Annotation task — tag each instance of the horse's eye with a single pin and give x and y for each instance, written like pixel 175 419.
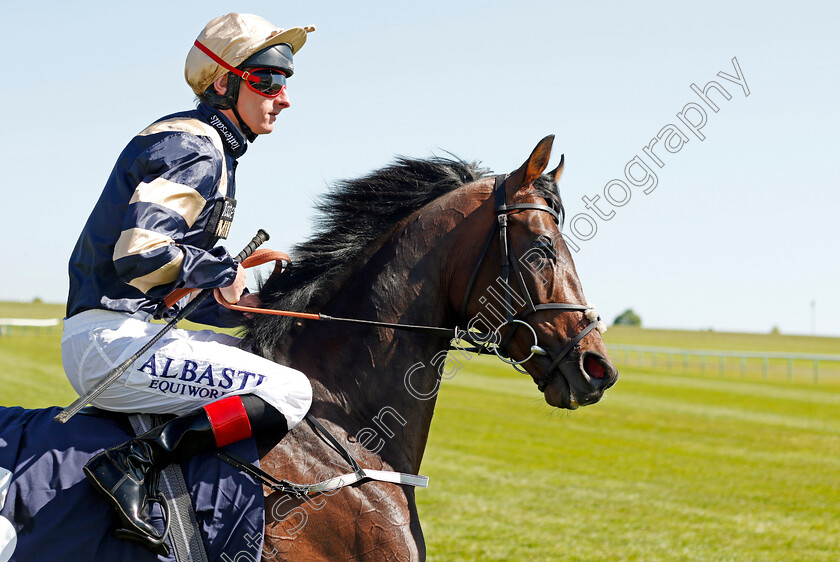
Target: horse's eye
pixel 544 245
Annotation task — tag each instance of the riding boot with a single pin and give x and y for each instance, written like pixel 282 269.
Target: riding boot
pixel 127 475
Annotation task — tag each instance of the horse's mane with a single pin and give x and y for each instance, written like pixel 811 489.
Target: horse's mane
pixel 352 216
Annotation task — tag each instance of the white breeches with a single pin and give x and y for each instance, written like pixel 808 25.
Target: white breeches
pixel 180 373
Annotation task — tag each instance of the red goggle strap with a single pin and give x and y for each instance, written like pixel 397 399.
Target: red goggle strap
pixel 244 74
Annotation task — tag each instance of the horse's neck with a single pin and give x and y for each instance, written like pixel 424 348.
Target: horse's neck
pixel 359 372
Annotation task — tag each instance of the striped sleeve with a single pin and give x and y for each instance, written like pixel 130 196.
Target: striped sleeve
pixel 176 177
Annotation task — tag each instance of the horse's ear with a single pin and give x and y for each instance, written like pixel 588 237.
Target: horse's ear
pixel 534 165
pixel 558 171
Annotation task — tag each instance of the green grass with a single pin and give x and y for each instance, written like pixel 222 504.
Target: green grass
pixel 666 467
pixel 722 341
pixel 775 369
pixel 669 466
pixel 31 374
pixel 31 310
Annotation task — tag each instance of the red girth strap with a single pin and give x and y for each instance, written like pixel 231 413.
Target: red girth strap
pixel 229 420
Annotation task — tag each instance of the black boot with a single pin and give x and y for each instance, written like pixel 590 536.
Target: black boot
pixel 127 475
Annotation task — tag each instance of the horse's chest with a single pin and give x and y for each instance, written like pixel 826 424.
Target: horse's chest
pixel 368 522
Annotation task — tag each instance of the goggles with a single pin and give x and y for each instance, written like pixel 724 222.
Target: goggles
pixel 267 82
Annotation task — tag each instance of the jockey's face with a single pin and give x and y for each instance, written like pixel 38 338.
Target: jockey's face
pixel 260 112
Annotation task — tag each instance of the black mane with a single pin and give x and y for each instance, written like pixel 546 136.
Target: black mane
pixel 352 216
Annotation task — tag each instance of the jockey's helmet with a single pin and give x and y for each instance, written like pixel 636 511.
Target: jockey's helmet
pixel 235 43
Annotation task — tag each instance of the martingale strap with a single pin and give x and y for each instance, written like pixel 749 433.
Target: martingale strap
pixel 478 340
pixel 359 474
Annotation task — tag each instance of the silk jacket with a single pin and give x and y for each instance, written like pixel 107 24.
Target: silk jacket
pixel 167 203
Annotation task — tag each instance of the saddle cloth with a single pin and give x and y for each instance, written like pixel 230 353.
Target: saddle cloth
pixel 48 511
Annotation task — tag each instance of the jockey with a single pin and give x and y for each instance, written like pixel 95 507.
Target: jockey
pixel 168 201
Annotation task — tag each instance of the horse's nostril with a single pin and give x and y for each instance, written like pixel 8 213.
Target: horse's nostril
pixel 593 367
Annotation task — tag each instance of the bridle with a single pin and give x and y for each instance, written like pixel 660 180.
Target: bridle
pixel 509 261
pixel 481 342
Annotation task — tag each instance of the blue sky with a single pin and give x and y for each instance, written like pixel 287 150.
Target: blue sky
pixel 739 234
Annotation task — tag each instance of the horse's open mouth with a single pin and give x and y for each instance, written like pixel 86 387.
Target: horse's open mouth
pixel 579 381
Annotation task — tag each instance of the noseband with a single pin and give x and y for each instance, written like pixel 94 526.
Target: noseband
pixel 509 261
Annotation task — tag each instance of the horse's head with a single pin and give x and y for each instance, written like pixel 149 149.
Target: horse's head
pixel 519 291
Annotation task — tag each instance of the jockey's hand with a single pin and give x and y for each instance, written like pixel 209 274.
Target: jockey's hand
pixel 232 292
pixel 251 300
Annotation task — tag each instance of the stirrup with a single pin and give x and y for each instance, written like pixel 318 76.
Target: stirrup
pixel 158 545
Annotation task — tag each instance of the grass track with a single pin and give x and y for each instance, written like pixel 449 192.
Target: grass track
pixel 722 341
pixel 667 467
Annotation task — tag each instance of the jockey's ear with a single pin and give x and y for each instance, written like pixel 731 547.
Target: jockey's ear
pixel 533 166
pixel 220 84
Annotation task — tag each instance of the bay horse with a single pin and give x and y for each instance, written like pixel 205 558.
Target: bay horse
pixel 433 242
pixel 437 244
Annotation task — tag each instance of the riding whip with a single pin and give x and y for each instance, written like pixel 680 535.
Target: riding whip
pixel 115 373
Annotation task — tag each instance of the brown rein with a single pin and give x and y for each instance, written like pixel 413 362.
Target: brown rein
pixel 259 257
pixel 262 256
pixel 479 341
